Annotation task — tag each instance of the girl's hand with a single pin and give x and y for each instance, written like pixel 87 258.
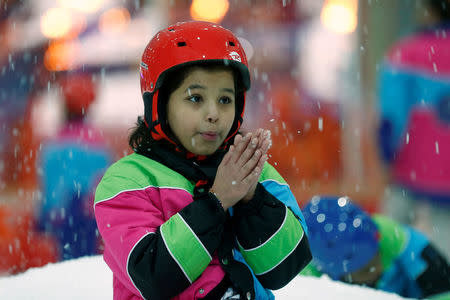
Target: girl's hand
pixel 236 173
pixel 264 144
pixel 240 169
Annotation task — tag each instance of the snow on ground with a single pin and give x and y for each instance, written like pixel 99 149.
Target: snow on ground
pixel 90 278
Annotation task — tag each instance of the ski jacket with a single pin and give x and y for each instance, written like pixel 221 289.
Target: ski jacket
pixel 413 97
pixel 164 238
pixel 72 164
pixel 411 266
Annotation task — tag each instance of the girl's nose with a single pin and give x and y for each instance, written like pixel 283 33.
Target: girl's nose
pixel 212 114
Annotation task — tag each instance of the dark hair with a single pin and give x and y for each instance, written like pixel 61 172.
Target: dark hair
pixel 441 8
pixel 140 136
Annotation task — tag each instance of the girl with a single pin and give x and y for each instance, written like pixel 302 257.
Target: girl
pixel 196 212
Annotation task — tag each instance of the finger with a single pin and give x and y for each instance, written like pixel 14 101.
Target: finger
pixel 237 139
pixel 253 177
pixel 268 134
pixel 240 146
pixel 262 161
pixel 260 166
pixel 265 146
pixel 269 137
pixel 241 138
pixel 226 158
pixel 248 153
pixel 263 135
pixel 260 135
pixel 250 165
pixel 243 131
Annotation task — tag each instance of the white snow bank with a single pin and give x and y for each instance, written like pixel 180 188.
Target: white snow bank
pixel 90 278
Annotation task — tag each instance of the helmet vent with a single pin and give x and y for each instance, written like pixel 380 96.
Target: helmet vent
pixel 181 44
pixel 231 43
pixel 171 29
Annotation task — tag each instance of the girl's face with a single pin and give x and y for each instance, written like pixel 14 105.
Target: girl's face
pixel 201 111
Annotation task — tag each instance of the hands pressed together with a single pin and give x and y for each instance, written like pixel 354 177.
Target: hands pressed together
pixel 238 173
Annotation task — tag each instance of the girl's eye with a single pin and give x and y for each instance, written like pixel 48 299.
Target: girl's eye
pixel 194 98
pixel 225 100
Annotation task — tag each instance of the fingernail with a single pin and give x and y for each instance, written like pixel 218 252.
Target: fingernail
pixel 254 142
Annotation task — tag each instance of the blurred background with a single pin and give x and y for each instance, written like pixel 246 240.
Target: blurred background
pixel 357 106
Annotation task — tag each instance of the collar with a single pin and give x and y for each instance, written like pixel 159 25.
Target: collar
pixel 193 167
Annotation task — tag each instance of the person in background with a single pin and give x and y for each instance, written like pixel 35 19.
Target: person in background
pixel 414 129
pixel 197 212
pixel 352 246
pixel 72 164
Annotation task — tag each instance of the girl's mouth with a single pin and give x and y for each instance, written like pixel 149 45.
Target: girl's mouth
pixel 210 136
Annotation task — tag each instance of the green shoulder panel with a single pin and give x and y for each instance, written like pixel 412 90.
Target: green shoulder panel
pixel 311 270
pixel 134 172
pixel 393 239
pixel 269 172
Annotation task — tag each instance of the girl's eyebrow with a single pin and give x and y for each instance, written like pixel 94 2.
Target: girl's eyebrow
pixel 194 86
pixel 228 90
pixel 198 86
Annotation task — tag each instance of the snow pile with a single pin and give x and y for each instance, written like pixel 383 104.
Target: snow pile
pixel 90 278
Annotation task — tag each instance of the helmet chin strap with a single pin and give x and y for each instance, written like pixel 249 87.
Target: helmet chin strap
pixel 151 117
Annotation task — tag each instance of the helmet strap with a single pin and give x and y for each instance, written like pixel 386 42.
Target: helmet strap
pixel 147 97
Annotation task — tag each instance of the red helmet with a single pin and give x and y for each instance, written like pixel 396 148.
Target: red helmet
pixel 184 44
